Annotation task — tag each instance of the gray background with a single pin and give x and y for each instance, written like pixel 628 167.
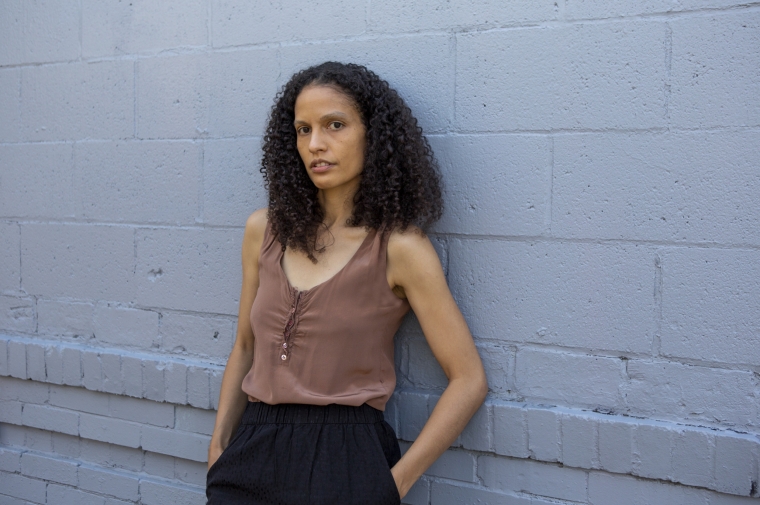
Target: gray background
pixel 602 237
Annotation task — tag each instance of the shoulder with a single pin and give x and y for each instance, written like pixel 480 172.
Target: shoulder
pixel 411 256
pixel 255 227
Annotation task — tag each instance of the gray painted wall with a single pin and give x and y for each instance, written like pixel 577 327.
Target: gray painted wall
pixel 602 237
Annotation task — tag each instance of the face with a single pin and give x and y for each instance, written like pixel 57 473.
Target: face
pixel 330 137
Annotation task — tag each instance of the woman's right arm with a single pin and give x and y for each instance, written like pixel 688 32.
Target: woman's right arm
pixel 232 399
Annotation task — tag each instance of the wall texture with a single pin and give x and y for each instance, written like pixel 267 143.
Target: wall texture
pixel 602 237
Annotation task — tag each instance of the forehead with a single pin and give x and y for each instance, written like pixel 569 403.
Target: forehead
pixel 320 100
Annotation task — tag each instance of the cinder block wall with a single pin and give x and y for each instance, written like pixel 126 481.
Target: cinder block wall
pixel 602 237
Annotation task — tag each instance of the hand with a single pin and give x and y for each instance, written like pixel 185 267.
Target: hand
pixel 213 454
pixel 397 480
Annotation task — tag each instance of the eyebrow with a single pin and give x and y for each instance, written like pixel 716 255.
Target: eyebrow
pixel 329 115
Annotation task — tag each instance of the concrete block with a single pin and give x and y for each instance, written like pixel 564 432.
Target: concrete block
pixel 83 261
pixel 694 458
pixel 10 251
pixel 64 494
pixel 131 375
pixel 512 475
pixel 697 393
pixel 153 380
pixel 232 183
pixel 510 430
pixel 656 186
pixel 506 188
pixel 412 414
pixel 79 399
pixel 589 76
pixel 35 361
pixel 215 377
pixel 50 469
pixel 456 465
pixel 17 314
pixel 194 334
pixel 16 359
pixel 92 377
pixel 653 451
pixel 478 434
pixel 111 455
pixel 111 367
pixel 12 435
pixel 18 486
pixel 159 465
pixel 54 94
pixel 138 181
pixel 191 472
pixel 10 411
pixel 66 318
pixel 142 26
pixel 419 494
pixel 424 78
pixel 142 411
pixel 10 104
pixel 72 366
pixel 244 83
pixel 443 493
pixel 50 418
pixel 592 296
pixel 616 446
pixel 708 302
pixel 125 326
pixel 499 363
pixel 66 446
pixel 175 374
pixel 198 387
pixel 572 378
pixel 164 258
pixel 707 89
pixel 53 364
pixel 736 463
pixel 599 9
pixel 39 32
pixel 108 482
pixel 38 440
pixel 543 434
pixel 579 440
pixel 109 430
pixel 173 96
pixel 399 16
pixel 423 371
pixel 235 24
pixel 10 460
pixel 164 493
pixel 175 443
pixel 4 371
pixel 195 420
pixel 604 488
pixel 24 390
pixel 37 183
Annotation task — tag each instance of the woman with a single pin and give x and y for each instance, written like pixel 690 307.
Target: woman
pixel 329 270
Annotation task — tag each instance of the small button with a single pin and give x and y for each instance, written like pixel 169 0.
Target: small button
pixel 283 357
pixel 284 345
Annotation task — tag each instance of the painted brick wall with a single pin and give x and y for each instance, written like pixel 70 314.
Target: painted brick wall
pixel 602 237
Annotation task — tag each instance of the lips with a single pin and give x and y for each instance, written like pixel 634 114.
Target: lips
pixel 319 166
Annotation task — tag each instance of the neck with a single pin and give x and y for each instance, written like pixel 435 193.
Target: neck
pixel 338 204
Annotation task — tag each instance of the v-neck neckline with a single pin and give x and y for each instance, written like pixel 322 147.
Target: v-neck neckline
pixel 336 274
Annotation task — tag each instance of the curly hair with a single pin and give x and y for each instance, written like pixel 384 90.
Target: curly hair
pixel 400 182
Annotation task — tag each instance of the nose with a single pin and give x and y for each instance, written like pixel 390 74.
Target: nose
pixel 316 141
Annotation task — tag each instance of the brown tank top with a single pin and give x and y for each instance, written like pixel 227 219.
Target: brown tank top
pixel 332 343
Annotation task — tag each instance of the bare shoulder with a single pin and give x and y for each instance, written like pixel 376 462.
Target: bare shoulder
pixel 411 256
pixel 256 224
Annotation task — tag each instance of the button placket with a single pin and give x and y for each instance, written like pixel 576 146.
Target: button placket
pixel 289 328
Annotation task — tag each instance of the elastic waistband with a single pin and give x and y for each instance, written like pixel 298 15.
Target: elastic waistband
pixel 294 413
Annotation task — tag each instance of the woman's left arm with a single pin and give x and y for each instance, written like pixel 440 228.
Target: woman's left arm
pixel 414 268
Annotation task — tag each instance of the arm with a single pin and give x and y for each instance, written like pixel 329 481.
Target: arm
pixel 415 270
pixel 232 399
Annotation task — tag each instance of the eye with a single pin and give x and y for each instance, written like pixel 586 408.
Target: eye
pixel 335 125
pixel 303 130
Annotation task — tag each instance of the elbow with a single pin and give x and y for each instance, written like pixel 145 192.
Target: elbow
pixel 481 387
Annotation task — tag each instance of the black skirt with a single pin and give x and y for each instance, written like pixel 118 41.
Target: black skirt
pixel 307 455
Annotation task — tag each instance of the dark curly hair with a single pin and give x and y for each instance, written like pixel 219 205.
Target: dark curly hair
pixel 400 183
